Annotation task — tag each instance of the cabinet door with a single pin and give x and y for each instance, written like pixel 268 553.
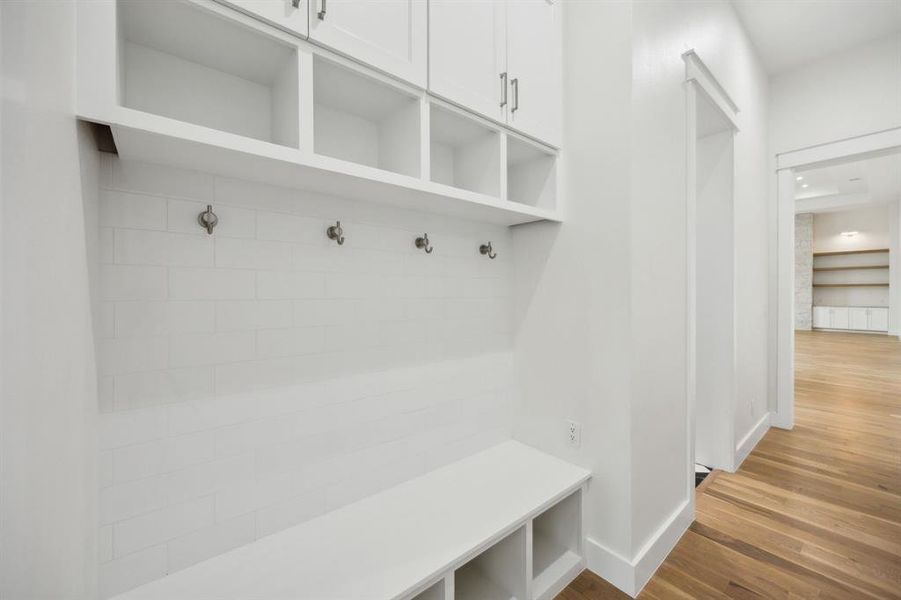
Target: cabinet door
pixel 468 54
pixel 534 64
pixel 858 318
pixel 821 319
pixel 878 319
pixel 286 14
pixel 389 35
pixel 840 318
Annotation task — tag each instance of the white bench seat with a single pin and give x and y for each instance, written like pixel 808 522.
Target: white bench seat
pixel 393 544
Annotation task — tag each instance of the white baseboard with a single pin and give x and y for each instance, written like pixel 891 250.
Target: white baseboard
pixel 630 576
pixel 744 447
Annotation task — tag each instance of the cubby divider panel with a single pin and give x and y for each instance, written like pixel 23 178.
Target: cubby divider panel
pixel 498 573
pixel 186 62
pixel 433 592
pixel 463 152
pixel 531 173
pixel 556 543
pixel 364 120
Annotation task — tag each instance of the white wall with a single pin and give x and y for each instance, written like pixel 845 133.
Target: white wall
pixel 48 409
pixel 871 223
pixel 601 300
pixel 260 376
pixel 844 95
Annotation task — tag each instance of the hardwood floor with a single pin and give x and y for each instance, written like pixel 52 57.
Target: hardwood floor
pixel 812 513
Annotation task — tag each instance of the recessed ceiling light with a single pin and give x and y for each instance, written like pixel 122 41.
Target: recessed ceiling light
pixel 850 233
pixel 799 178
pixel 804 185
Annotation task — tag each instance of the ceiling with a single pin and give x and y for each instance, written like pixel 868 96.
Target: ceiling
pixel 790 33
pixel 875 180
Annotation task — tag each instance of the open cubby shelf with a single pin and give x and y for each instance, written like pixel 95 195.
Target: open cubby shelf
pixel 230 78
pixel 556 545
pixel 200 86
pixel 362 120
pixel 531 173
pixel 464 153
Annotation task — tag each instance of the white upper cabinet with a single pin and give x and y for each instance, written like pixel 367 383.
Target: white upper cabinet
pixel 501 59
pixel 534 66
pixel 468 54
pixel 390 35
pixel 290 15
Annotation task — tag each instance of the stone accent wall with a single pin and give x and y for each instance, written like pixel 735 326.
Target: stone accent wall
pixel 803 271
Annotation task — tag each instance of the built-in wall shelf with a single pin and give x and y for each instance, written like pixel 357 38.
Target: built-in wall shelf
pixel 854 268
pixel 248 100
pixel 504 523
pixel 850 285
pixel 846 252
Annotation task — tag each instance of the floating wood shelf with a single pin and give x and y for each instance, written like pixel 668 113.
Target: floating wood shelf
pixel 877 250
pixel 850 268
pixel 850 285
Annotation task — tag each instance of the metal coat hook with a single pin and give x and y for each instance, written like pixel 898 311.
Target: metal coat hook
pixel 335 232
pixel 487 249
pixel 424 244
pixel 208 219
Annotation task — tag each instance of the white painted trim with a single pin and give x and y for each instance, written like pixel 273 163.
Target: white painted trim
pixel 747 444
pixel 697 71
pixel 631 576
pixel 871 144
pixel 880 141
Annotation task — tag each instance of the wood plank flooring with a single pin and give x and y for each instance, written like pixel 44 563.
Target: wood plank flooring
pixel 814 512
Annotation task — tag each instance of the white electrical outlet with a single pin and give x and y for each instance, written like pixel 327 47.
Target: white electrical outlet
pixel 573 434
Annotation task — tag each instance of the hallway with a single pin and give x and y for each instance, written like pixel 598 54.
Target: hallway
pixel 813 512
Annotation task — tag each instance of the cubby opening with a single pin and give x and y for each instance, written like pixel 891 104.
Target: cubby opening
pixel 531 174
pixel 186 62
pixel 363 120
pixel 433 592
pixel 498 573
pixel 556 543
pixel 464 153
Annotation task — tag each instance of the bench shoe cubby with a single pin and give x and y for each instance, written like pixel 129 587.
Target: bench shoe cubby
pixel 199 85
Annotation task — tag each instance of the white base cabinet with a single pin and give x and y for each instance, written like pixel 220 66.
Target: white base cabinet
pixel 854 318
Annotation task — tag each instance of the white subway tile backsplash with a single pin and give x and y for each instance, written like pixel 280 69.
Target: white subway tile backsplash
pixel 273 343
pixel 211 284
pixel 232 253
pixel 259 376
pixel 121 282
pixel 161 318
pixel 196 349
pixel 123 500
pixel 131 427
pixel 139 247
pixel 130 571
pixel 205 478
pixel 254 314
pixel 160 180
pixel 281 285
pixel 123 209
pixel 135 390
pixel 128 355
pixel 291 228
pixel 210 541
pixel 162 525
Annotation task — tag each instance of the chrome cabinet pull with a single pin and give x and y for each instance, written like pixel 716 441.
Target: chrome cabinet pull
pixel 515 84
pixel 321 13
pixel 504 89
